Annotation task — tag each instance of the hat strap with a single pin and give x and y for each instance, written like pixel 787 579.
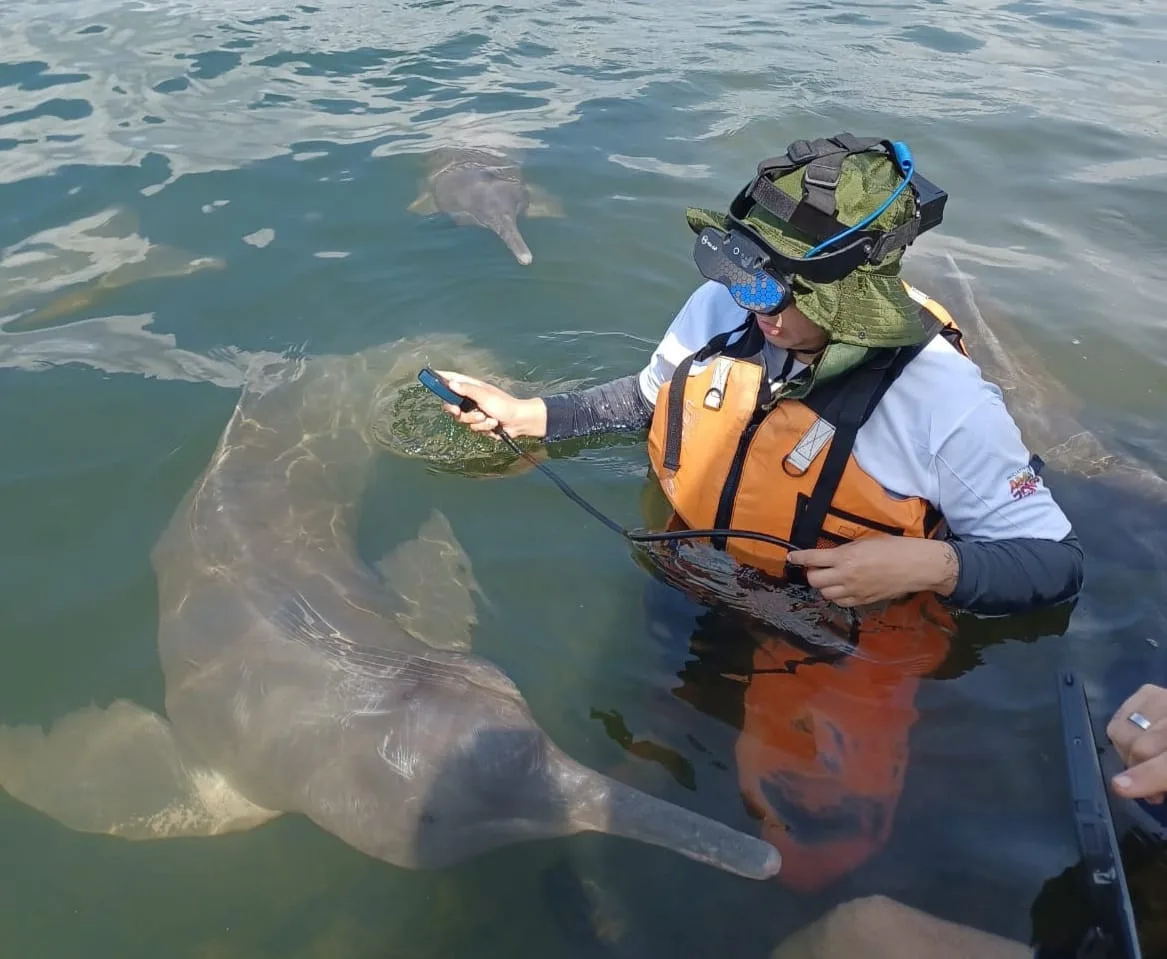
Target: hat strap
pixel 825 268
pixel 823 159
pixel 814 214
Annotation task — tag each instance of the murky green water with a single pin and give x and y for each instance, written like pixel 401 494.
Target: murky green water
pixel 257 159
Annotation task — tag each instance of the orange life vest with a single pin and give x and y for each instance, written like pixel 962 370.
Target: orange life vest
pixel 726 457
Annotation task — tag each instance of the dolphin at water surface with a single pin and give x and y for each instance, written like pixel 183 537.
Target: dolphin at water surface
pixel 477 188
pixel 298 681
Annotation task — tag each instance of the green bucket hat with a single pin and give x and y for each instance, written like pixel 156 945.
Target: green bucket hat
pixel 870 306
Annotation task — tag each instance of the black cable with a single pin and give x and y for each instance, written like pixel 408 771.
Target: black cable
pixel 639 535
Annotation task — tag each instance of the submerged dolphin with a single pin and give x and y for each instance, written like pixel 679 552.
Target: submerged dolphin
pixel 1045 411
pixel 476 188
pixel 297 682
pixel 86 260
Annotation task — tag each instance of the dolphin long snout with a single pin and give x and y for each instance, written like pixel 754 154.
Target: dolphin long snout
pixel 508 232
pixel 601 804
pixel 509 783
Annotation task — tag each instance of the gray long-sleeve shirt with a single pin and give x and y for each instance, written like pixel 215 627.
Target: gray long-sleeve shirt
pixel 996 576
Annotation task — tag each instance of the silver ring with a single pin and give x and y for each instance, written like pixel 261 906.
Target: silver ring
pixel 1140 720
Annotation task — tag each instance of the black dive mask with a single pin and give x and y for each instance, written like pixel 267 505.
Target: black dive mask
pixel 744 267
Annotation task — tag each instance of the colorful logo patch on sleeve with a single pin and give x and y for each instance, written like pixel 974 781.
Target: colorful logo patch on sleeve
pixel 1023 482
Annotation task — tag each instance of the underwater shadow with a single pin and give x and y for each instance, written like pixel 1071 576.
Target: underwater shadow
pixel 494 791
pixel 500 791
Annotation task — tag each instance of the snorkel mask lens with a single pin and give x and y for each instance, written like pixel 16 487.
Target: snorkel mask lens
pixel 738 263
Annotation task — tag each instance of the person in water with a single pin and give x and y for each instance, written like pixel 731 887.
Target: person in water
pixel 806 392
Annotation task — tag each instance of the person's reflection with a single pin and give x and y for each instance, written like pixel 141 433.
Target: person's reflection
pixel 824 741
pixel 823 699
pixel 824 732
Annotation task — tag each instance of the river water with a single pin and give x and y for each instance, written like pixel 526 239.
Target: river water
pixel 255 161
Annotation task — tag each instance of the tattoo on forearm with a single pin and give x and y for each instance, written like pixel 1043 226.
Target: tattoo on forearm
pixel 951 568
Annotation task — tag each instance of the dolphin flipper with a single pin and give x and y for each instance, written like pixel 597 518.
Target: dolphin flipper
pixel 424 205
pixel 542 203
pixel 120 771
pixel 432 574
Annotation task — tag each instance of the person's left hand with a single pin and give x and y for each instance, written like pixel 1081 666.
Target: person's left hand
pixel 876 568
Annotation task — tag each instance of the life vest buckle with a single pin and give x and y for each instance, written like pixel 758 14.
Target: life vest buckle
pixel 716 392
pixel 813 441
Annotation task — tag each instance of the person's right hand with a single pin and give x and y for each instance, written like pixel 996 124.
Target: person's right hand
pixel 496 408
pixel 1144 751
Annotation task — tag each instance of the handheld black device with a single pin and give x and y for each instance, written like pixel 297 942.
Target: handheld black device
pixel 1114 932
pixel 439 387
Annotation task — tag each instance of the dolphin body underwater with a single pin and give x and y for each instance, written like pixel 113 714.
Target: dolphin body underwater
pixel 1044 409
pixel 66 271
pixel 477 188
pixel 296 681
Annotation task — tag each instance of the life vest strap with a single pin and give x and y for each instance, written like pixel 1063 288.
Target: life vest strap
pixel 951 333
pixel 729 490
pixel 675 425
pixel 847 413
pixel 848 409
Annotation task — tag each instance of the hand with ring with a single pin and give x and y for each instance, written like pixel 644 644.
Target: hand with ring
pixel 1138 731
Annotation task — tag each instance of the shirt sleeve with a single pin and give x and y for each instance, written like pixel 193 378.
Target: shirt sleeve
pixel 627 403
pixel 668 355
pixel 607 408
pixel 1015 546
pixel 706 313
pixel 988 489
pixel 1012 575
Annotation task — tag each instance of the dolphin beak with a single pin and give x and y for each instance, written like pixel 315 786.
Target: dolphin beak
pixel 510 235
pixel 600 804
